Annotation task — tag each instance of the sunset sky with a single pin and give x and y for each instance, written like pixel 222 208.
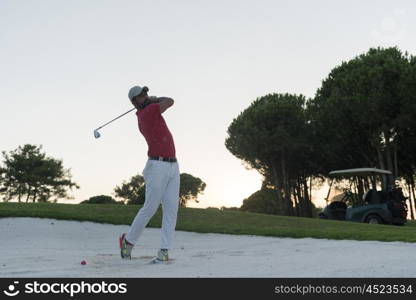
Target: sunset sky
pixel 66 68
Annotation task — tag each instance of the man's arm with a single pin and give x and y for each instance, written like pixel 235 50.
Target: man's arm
pixel 165 103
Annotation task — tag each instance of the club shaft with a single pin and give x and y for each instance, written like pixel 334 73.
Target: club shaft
pixel 115 118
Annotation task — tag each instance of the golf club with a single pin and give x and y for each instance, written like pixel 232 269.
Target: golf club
pixel 97 134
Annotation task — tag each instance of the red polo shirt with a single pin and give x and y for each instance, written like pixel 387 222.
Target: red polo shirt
pixel 155 131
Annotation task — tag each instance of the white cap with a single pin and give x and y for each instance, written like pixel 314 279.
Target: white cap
pixel 136 90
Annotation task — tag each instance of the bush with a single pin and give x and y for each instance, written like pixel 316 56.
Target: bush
pixel 101 199
pixel 263 201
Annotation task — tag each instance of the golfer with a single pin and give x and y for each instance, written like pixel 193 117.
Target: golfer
pixel 161 173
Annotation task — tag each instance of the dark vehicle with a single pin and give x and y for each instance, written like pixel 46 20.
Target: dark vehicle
pixel 386 206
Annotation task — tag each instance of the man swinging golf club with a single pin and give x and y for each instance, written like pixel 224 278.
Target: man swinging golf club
pixel 161 173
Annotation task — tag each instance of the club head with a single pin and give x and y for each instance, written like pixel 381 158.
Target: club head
pixel 96 134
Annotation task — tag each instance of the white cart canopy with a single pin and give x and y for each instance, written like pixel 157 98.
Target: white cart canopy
pixel 359 172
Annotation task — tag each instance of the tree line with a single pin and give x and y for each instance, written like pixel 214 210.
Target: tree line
pixel 29 175
pixel 363 115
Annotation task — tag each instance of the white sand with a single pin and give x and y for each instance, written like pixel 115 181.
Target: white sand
pixel 31 247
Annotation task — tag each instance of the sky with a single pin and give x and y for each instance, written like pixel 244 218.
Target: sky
pixel 66 68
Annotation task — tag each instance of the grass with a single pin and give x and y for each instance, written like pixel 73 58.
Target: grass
pixel 218 221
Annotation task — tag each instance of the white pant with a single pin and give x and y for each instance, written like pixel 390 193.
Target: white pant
pixel 162 186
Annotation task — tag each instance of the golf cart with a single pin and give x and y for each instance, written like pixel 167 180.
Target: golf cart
pixel 367 204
